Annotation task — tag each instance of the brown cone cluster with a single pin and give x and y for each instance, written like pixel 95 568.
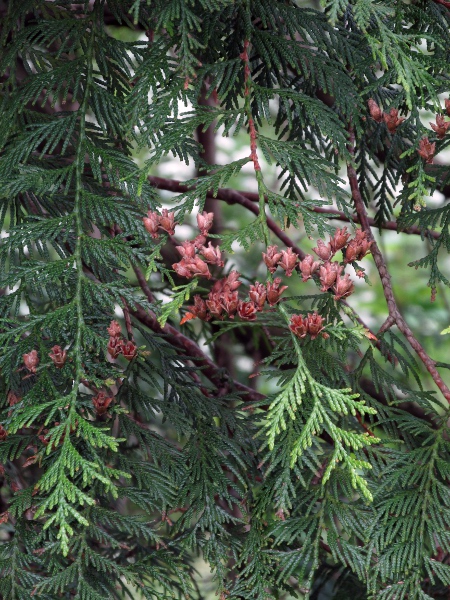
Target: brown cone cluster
pixel 154 221
pixel 223 300
pixel 195 256
pixel 311 325
pixel 286 259
pixel 117 345
pixel 426 148
pixel 331 273
pixel 391 118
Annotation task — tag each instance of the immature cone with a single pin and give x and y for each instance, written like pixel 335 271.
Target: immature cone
pixel 3 433
pixel 167 221
pixel 212 255
pixel 13 398
pixel 151 223
pixel 214 305
pixel 31 360
pixel 199 310
pixel 426 150
pixel 114 329
pixel 375 111
pixel 129 350
pixel 441 126
pixel 101 402
pixel 58 356
pixel 308 266
pixel 231 282
pixel 187 250
pixel 343 287
pixel 182 269
pixel 314 325
pixel 358 247
pixel 323 251
pixel 339 240
pixel 191 267
pixel 258 295
pixel 199 241
pixel 274 291
pixel 205 221
pixel 299 326
pixel 247 311
pixel 392 120
pixel 115 347
pixel 288 261
pixel 328 273
pixel 230 301
pixel 271 258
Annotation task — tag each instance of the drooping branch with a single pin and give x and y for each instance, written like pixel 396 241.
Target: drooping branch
pixel 236 197
pixel 395 316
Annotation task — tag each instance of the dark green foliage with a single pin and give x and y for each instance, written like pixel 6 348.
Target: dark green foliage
pixel 323 488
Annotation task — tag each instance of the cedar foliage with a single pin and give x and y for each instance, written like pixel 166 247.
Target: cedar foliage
pixel 286 494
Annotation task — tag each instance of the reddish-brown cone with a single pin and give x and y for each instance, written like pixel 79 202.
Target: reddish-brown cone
pixel 314 324
pixel 328 273
pixel 441 126
pixel 288 261
pixel 271 258
pixel 375 111
pixel 447 106
pixel 3 433
pixel 114 329
pixel 129 350
pixel 343 287
pixel 247 311
pixel 199 310
pixel 212 254
pixel 323 251
pixel 339 240
pixel 31 360
pixel 167 221
pixel 426 150
pixel 151 223
pixel 258 295
pixel 230 301
pixel 299 326
pixel 274 291
pixel 204 222
pixel 115 347
pixel 13 398
pixel 101 402
pixel 58 356
pixel 392 120
pixel 308 266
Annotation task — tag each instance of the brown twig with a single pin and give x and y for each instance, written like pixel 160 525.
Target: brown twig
pixel 235 197
pixel 394 313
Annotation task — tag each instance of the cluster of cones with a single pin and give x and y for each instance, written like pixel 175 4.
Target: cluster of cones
pixel 223 300
pixel 426 148
pixel 58 356
pixel 117 345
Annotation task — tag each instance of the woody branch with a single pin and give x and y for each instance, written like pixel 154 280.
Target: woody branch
pixel 394 315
